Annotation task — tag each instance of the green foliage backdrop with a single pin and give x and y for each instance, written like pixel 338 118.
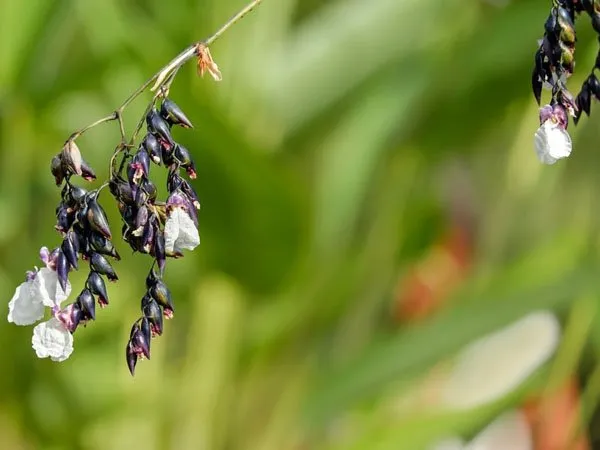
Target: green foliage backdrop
pixel 327 160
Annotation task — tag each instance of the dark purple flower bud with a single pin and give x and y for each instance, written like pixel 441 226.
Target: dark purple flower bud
pixel 131 357
pixel 64 218
pixel 121 190
pixel 71 316
pixel 98 263
pixel 69 247
pixel 153 147
pixel 102 245
pixel 71 157
pixel 140 220
pixel 135 172
pixel 160 253
pixel 150 189
pixel 139 344
pixel 183 157
pixel 143 160
pixel 141 197
pixel 87 172
pixel 159 127
pixel 148 236
pixel 160 292
pixel 153 313
pixel 146 329
pixel 594 86
pixel 95 283
pixel 62 270
pixel 88 304
pixel 187 189
pixel 96 218
pixel 57 169
pixel 584 99
pixel 76 195
pixel 173 114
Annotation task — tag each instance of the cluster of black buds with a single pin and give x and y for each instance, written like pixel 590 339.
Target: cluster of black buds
pixel 82 223
pixel 146 219
pixel 555 57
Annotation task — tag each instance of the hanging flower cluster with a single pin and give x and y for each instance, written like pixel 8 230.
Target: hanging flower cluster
pixel 554 64
pixel 161 229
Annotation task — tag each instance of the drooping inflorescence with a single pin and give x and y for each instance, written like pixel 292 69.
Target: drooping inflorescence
pixel 554 64
pixel 161 229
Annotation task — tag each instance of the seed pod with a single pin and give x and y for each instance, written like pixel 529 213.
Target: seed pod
pixel 153 314
pixel 96 218
pixel 57 169
pixel 131 358
pixel 69 248
pixel 62 270
pixel 159 127
pixel 139 342
pixel 95 283
pixel 88 304
pixel 160 292
pixel 87 172
pixel 173 114
pixel 98 263
pixel 71 157
pixel 103 246
pixel 153 148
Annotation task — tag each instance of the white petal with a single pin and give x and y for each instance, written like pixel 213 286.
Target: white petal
pixel 509 431
pixel 552 143
pixel 52 339
pixel 180 232
pixel 493 366
pixel 24 308
pixel 47 287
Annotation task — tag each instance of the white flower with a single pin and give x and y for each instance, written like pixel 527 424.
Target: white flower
pixel 180 231
pixel 552 142
pixel 30 297
pixel 496 364
pixel 52 339
pixel 25 308
pixel 509 431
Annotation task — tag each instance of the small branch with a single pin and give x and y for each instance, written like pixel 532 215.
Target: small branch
pixel 163 76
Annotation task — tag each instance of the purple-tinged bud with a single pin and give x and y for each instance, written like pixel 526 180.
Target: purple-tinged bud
pixel 71 316
pixel 139 344
pixel 121 190
pixel 45 255
pixel 153 148
pixel 152 278
pixel 159 127
pixel 143 160
pixel 131 357
pixel 71 157
pixel 161 293
pixel 98 263
pixel 135 172
pixel 69 248
pixel 182 155
pixel 153 313
pixel 95 283
pixel 146 329
pixel 64 219
pixel 173 114
pixel 148 236
pixel 76 195
pixel 87 172
pixel 189 191
pixel 88 304
pixel 103 246
pixel 57 169
pixel 96 218
pixel 141 197
pixel 62 270
pixel 150 189
pixel 160 253
pixel 141 219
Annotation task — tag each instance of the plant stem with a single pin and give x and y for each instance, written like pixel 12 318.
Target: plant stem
pixel 163 75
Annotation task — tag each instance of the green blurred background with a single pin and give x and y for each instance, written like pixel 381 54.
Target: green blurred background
pixel 346 140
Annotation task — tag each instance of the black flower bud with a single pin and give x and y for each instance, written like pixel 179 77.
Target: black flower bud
pixel 96 218
pixel 57 169
pixel 88 304
pixel 102 245
pixel 98 263
pixel 87 172
pixel 153 313
pixel 153 147
pixel 131 357
pixel 173 114
pixel 62 269
pixel 161 293
pixel 95 283
pixel 159 127
pixel 138 341
pixel 69 247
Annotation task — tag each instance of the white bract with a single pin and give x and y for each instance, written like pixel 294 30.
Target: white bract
pixel 552 142
pixel 180 231
pixel 30 297
pixel 52 339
